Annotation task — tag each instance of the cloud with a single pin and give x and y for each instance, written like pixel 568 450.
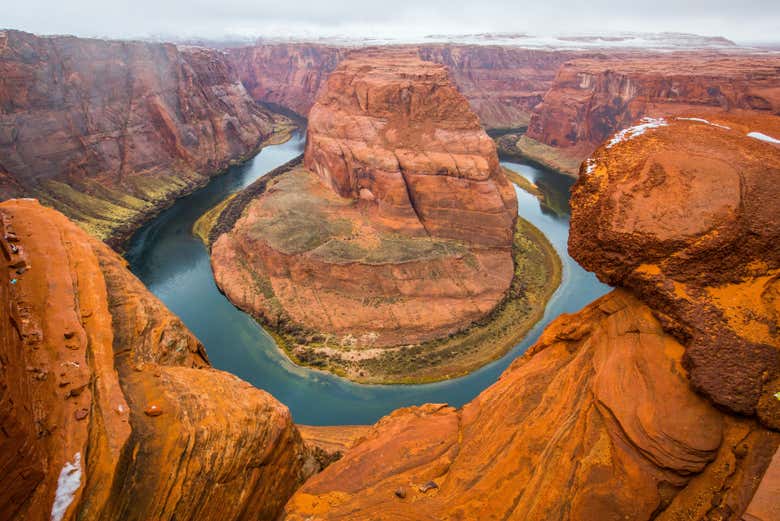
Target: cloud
pixel 751 20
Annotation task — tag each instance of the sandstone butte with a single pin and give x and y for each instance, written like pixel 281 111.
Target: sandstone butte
pixel 601 418
pixel 109 408
pixel 397 230
pixel 109 132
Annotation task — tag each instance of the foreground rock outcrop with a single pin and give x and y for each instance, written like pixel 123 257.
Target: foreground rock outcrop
pixel 591 98
pixel 110 409
pixel 399 229
pixel 694 232
pixel 109 132
pixel 602 418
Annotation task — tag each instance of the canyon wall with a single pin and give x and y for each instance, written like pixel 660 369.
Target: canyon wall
pixel 502 84
pixel 601 418
pixel 592 98
pixel 109 132
pixel 110 409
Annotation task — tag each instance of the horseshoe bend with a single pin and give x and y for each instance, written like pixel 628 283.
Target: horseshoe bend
pixel 393 252
pixel 394 245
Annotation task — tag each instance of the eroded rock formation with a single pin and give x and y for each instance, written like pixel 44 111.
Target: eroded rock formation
pixel 601 419
pixel 694 232
pixel 399 230
pixel 108 132
pixel 110 409
pixel 592 98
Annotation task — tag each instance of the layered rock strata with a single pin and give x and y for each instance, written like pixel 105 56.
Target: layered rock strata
pixel 592 98
pixel 110 409
pixel 398 230
pixel 602 418
pixel 108 132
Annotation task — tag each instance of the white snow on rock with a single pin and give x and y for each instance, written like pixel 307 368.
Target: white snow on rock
pixel 67 485
pixel 630 133
pixel 764 137
pixel 700 120
pixel 590 166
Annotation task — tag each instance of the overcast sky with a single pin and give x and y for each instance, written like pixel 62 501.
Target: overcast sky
pixel 746 20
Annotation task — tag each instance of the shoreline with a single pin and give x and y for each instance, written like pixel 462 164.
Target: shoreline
pixel 121 237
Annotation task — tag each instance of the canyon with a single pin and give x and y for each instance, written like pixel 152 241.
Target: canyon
pixel 569 100
pixel 398 225
pixel 396 230
pixel 600 419
pixel 110 132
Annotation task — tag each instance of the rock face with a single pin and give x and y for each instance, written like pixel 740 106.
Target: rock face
pixel 592 98
pixel 110 409
pixel 108 132
pixel 502 84
pixel 392 131
pixel 597 422
pixel 685 215
pixel 399 230
pixel 601 419
pixel 288 75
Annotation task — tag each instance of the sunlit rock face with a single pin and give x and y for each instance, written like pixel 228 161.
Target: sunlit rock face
pixel 683 213
pixel 109 132
pixel 110 409
pixel 393 131
pixel 624 410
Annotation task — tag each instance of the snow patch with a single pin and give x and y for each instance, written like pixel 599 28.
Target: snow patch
pixel 764 137
pixel 637 130
pixel 67 485
pixel 700 120
pixel 590 166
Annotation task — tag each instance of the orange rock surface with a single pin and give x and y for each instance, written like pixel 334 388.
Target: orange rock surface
pixel 400 228
pixel 109 132
pixel 591 98
pixel 685 215
pixel 601 418
pixel 110 409
pixel 598 421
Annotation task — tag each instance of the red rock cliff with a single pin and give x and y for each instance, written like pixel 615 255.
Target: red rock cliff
pixel 110 409
pixel 684 213
pixel 601 418
pixel 109 131
pixel 591 99
pixel 393 131
pixel 502 84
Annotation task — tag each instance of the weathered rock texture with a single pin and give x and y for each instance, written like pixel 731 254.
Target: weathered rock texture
pixel 393 131
pixel 685 215
pixel 601 419
pixel 401 228
pixel 502 84
pixel 108 132
pixel 288 75
pixel 596 422
pixel 592 98
pixel 110 409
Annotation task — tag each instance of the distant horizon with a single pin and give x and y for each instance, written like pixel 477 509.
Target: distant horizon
pixel 747 23
pixel 518 39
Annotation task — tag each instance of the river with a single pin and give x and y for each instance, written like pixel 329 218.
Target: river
pixel 174 265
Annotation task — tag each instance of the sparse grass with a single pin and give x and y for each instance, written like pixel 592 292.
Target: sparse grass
pixel 547 156
pixel 537 275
